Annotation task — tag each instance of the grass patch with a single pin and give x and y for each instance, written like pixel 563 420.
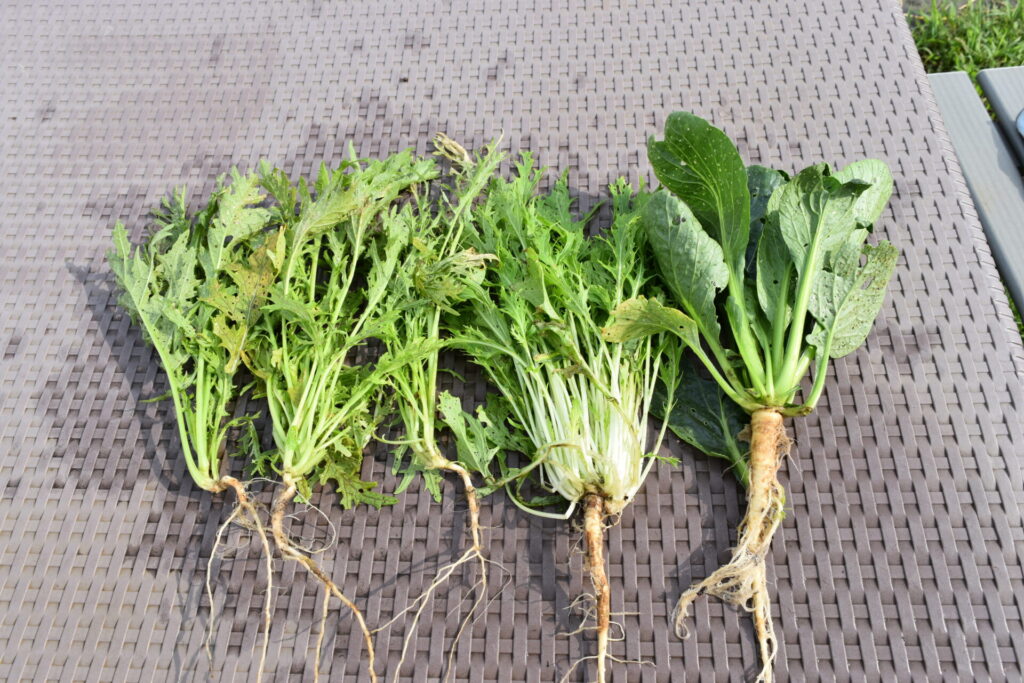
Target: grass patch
pixel 971 37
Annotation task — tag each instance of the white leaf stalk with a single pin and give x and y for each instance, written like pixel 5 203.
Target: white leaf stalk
pixel 579 403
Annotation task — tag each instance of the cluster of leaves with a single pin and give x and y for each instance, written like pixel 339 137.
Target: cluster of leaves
pixel 437 273
pixel 343 243
pixel 287 280
pixel 197 288
pixel 771 274
pixel 576 403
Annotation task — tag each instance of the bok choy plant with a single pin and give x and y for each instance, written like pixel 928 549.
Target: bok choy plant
pixel 772 277
pixel 196 287
pixel 577 405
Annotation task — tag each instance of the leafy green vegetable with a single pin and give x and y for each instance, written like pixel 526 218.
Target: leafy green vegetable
pixel 578 403
pixel 700 165
pixel 535 329
pixel 438 271
pixel 344 242
pixel 808 262
pixel 801 286
pixel 195 287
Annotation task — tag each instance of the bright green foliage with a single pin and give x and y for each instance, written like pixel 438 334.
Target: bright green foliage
pixel 969 36
pixel 196 287
pixel 438 271
pixel 343 244
pixel 535 328
pixel 771 274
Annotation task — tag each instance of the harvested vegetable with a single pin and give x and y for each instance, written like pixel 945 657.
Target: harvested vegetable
pixel 196 287
pixel 575 405
pixel 773 278
pixel 437 272
pixel 342 244
pixel 291 288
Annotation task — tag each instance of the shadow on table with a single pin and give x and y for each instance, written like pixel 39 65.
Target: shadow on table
pixel 548 573
pixel 133 356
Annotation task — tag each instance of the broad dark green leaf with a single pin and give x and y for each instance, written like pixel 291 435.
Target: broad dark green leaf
pixel 692 264
pixel 704 417
pixel 700 165
pixel 642 317
pixel 761 183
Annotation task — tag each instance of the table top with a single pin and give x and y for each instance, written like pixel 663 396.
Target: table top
pixel 901 557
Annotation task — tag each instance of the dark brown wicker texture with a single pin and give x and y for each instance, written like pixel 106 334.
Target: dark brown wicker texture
pixel 902 558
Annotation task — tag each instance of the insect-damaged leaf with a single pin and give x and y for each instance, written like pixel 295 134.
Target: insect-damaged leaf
pixel 873 199
pixel 642 317
pixel 692 264
pixel 846 302
pixel 237 219
pixel 701 166
pixel 240 304
pixel 816 214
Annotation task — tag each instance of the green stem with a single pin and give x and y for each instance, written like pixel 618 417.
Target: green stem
pixel 357 248
pixel 745 342
pixel 779 324
pixel 737 397
pixel 787 375
pixel 201 417
pixel 821 372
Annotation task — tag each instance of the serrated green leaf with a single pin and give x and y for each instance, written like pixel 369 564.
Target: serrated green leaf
pixel 344 474
pixel 232 338
pixel 691 263
pixel 291 308
pixel 177 269
pixel 472 441
pixel 237 219
pixel 642 317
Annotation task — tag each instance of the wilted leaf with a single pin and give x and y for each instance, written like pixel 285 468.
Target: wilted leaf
pixel 642 317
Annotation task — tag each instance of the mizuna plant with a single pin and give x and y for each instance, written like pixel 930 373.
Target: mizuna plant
pixel 577 404
pixel 342 244
pixel 436 273
pixel 196 287
pixel 772 277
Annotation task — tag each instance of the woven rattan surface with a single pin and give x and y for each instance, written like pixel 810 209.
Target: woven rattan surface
pixel 901 559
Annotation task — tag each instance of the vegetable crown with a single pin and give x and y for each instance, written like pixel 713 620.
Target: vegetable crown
pixel 771 274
